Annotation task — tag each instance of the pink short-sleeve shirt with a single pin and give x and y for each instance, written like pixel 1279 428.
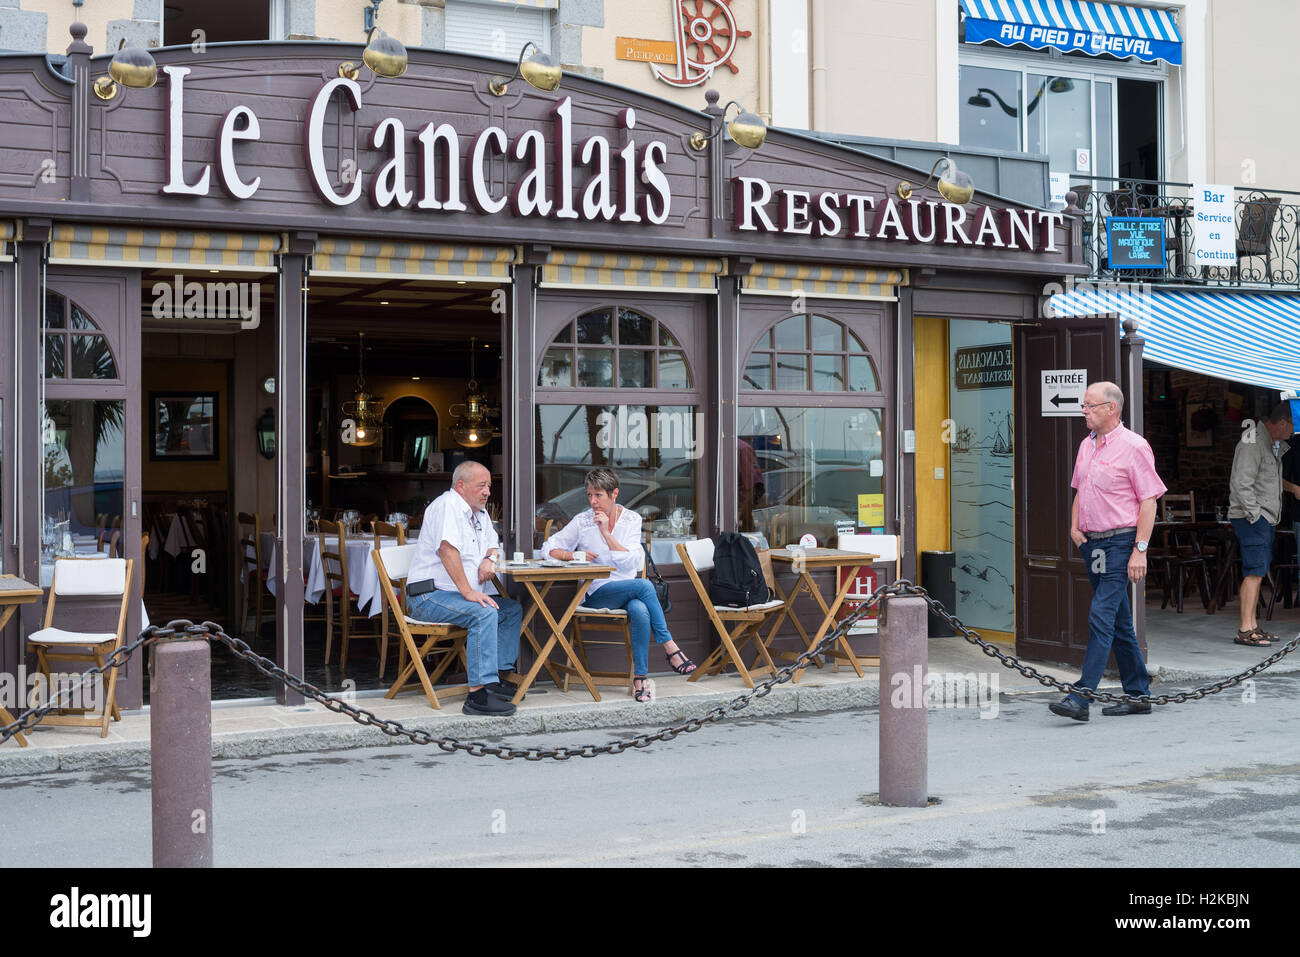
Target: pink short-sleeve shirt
pixel 1114 474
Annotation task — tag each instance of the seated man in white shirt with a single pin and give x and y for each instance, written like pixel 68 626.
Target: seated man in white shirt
pixel 451 581
pixel 611 535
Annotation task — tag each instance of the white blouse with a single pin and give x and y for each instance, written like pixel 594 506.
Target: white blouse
pixel 582 534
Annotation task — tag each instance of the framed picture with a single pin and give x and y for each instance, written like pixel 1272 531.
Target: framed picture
pixel 183 426
pixel 1200 425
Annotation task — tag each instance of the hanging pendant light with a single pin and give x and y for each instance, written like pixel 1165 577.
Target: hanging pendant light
pixel 473 428
pixel 365 410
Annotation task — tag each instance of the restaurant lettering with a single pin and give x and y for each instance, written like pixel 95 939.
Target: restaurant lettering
pixel 983 367
pixel 759 208
pixel 593 180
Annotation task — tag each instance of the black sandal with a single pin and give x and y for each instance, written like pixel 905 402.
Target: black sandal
pixel 686 667
pixel 643 693
pixel 1252 638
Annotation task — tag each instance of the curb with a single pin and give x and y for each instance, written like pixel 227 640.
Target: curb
pixel 20 762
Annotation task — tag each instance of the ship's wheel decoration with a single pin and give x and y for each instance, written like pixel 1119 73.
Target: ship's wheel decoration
pixel 706 34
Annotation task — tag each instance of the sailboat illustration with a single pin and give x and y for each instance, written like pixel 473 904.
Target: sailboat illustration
pixel 1002 443
pixel 963 439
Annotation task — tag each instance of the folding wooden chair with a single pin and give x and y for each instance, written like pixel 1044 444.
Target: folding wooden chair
pixel 90 579
pixel 886 548
pixel 335 565
pixel 393 564
pixel 252 569
pixel 746 622
pixel 381 531
pixel 591 617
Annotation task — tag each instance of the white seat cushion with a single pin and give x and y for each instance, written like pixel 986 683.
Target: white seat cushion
pixel 589 610
pixel 700 553
pixel 74 577
pixel 57 636
pixel 416 621
pixel 774 603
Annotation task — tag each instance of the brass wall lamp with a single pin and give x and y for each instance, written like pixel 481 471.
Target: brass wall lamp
pixel 540 70
pixel 954 185
pixel 746 129
pixel 385 55
pixel 131 66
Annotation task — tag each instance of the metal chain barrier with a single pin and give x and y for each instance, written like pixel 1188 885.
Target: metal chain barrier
pixel 214 632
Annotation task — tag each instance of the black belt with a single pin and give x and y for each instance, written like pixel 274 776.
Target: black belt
pixel 419 588
pixel 1093 536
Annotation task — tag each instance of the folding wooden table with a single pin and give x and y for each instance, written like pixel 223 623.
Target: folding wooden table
pixel 533 574
pixel 14 592
pixel 814 558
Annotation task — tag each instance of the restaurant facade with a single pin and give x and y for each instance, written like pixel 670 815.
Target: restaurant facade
pixel 202 278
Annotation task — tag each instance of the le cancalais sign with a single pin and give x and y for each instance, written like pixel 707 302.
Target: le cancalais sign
pixel 593 180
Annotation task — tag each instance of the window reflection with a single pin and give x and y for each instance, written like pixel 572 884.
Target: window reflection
pixel 654 450
pixel 83 461
pixel 810 470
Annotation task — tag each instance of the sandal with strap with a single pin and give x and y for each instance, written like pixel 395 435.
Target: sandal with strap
pixel 644 692
pixel 1253 638
pixel 685 667
pixel 1267 636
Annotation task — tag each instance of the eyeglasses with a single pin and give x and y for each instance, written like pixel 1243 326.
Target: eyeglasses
pixel 1092 405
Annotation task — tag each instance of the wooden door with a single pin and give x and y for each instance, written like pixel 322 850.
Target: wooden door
pixel 1052 591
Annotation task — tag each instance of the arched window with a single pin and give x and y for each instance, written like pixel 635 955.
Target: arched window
pixel 615 347
pixel 813 461
pixel 636 414
pixel 810 353
pixel 75 348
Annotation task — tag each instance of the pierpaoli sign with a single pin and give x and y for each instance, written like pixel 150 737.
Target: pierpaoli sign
pixel 592 180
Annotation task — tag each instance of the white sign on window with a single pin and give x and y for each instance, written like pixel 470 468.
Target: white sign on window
pixel 1060 183
pixel 1083 161
pixel 1215 226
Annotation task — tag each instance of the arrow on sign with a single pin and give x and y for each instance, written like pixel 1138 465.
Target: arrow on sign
pixel 1058 401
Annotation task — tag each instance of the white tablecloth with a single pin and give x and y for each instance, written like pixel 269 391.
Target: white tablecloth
pixel 363 577
pixel 178 537
pixel 664 550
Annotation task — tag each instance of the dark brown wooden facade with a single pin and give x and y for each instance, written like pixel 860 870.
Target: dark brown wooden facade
pixel 91 174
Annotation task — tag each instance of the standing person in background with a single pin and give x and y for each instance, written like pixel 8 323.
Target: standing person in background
pixel 1254 508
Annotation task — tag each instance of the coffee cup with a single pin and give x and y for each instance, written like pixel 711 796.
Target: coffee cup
pixel 579 556
pixel 519 557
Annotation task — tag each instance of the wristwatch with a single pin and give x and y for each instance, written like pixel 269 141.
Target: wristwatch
pixel 1141 546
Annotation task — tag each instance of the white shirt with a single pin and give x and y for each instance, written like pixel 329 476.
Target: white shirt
pixel 582 534
pixel 449 518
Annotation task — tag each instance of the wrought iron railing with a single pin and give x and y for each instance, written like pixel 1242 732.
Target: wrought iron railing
pixel 1267 232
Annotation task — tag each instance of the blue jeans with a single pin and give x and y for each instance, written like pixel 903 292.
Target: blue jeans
pixel 644 615
pixel 493 642
pixel 1110 621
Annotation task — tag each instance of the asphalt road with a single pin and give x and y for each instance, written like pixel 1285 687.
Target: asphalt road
pixel 1214 783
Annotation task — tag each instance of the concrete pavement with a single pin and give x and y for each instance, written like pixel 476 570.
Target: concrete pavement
pixel 1190 647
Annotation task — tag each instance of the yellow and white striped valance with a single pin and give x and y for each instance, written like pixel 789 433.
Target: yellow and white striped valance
pixel 580 269
pixel 78 244
pixel 8 233
pixel 823 282
pixel 342 257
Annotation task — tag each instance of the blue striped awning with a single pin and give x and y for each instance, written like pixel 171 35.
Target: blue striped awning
pixel 1075 25
pixel 1252 338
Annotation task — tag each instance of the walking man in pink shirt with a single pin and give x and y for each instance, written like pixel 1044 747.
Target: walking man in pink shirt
pixel 1116 487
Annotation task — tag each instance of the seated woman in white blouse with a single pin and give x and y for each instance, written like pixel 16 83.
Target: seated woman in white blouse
pixel 611 535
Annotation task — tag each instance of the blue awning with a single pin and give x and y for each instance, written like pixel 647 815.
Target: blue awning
pixel 1075 25
pixel 1251 338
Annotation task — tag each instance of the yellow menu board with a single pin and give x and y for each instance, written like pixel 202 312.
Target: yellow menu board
pixel 871 509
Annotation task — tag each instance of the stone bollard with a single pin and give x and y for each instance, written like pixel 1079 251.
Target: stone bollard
pixel 180 741
pixel 904 657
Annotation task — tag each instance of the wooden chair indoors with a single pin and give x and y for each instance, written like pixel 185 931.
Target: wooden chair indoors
pixel 745 623
pixel 390 531
pixel 252 570
pixel 1179 555
pixel 1178 507
pixel 91 580
pixel 333 556
pixel 393 563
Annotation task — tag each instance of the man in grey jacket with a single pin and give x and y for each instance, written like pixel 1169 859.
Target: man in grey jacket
pixel 1255 507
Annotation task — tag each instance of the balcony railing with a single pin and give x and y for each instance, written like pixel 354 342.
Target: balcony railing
pixel 1267 240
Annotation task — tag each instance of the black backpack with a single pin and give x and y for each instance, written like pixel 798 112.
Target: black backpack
pixel 737 579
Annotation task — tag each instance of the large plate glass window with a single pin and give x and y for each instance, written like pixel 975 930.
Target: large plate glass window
pixel 615 389
pixel 812 461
